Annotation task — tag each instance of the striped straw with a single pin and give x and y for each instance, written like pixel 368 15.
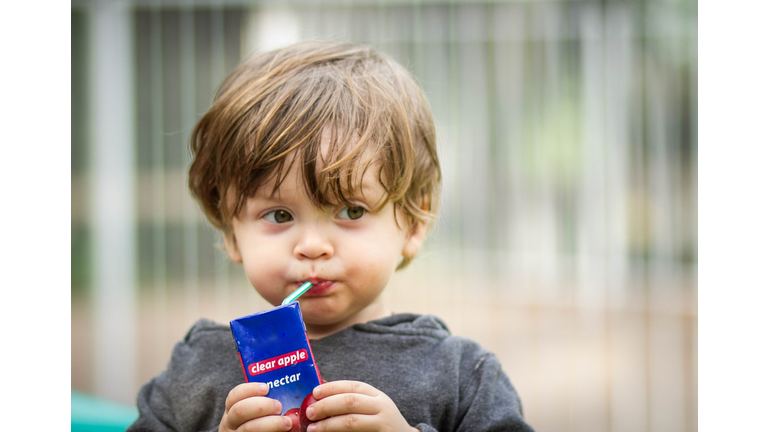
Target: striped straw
pixel 294 295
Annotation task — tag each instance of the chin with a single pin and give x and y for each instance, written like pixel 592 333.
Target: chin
pixel 324 321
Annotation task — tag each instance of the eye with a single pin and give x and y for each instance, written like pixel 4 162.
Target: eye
pixel 351 213
pixel 278 216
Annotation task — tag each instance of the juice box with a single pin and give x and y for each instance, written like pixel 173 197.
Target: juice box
pixel 274 349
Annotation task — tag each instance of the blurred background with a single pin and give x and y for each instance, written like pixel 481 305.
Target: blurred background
pixel 567 239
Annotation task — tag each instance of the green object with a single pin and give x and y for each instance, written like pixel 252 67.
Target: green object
pixel 294 295
pixel 94 414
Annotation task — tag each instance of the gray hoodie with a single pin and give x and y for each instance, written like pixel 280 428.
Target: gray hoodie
pixel 438 381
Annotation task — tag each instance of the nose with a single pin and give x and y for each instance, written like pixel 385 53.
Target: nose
pixel 313 243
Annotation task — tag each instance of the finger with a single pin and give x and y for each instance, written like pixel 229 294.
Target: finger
pixel 243 391
pixel 269 423
pixel 346 403
pixel 349 422
pixel 339 387
pixel 252 408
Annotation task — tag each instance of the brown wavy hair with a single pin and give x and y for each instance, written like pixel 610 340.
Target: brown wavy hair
pixel 276 109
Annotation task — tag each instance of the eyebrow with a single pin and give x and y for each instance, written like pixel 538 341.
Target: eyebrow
pixel 366 191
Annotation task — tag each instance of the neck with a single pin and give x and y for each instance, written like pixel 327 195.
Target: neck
pixel 374 311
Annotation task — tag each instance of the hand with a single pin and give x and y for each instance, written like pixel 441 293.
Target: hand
pixel 247 409
pixel 353 405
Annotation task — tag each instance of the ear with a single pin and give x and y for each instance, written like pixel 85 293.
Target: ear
pixel 414 239
pixel 230 244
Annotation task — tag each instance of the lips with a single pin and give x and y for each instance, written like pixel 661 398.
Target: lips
pixel 319 287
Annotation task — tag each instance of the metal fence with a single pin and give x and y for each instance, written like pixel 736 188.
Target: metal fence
pixel 567 239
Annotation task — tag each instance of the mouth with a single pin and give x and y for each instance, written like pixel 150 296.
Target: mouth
pixel 319 287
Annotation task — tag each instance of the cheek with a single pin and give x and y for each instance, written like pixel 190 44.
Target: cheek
pixel 385 241
pixel 263 269
pixel 261 251
pixel 374 265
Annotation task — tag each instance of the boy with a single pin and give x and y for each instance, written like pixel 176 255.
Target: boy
pixel 317 162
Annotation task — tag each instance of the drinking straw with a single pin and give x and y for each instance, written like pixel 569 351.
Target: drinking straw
pixel 294 295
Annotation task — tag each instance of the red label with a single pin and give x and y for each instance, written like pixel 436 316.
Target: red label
pixel 278 362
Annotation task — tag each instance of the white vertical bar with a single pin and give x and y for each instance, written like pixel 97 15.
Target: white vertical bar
pixel 187 96
pixel 591 234
pixel 619 81
pixel 112 207
pixel 629 373
pixel 158 187
pixel 473 133
pixel 667 405
pixel 628 377
pixel 217 75
pixel 514 78
pixel 592 391
pixel 659 180
pixel 277 25
pixel 547 270
pixel 217 45
pixel 590 401
pixel 693 222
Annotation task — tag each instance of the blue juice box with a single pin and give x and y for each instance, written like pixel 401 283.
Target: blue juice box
pixel 274 349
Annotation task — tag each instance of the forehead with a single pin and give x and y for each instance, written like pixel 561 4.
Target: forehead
pixel 332 175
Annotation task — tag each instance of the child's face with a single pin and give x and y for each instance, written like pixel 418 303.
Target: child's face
pixel 348 253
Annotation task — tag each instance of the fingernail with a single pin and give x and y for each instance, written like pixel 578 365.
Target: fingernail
pixel 263 388
pixel 316 392
pixel 311 427
pixel 278 407
pixel 288 422
pixel 311 412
